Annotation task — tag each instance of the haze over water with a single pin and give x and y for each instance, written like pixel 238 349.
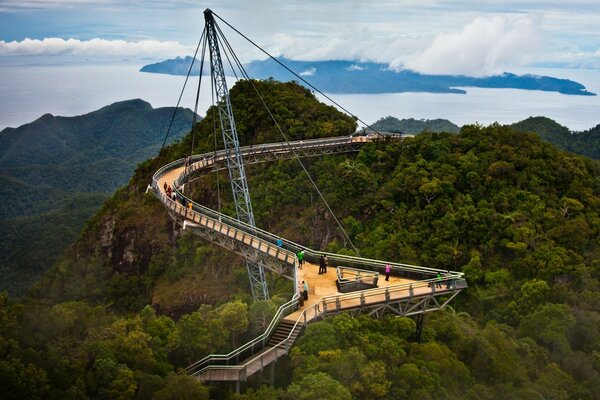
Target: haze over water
pixel 28 92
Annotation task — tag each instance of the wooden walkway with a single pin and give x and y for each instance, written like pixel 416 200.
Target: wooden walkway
pixel 320 286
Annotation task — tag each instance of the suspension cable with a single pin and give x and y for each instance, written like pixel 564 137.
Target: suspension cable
pixel 226 56
pixel 182 90
pixel 214 118
pixel 245 74
pixel 194 117
pixel 295 74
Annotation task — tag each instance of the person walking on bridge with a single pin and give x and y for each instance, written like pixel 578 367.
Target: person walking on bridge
pixel 300 256
pixel 388 269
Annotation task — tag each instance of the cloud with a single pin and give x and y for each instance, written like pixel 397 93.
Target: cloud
pixel 308 72
pixel 346 43
pixel 355 67
pixel 93 47
pixel 483 47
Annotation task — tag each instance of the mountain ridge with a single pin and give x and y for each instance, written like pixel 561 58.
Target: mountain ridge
pixel 55 161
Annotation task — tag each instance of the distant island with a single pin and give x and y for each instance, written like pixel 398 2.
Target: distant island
pixel 368 77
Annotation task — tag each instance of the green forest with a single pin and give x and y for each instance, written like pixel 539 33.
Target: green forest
pixel 414 126
pixel 136 299
pixel 56 172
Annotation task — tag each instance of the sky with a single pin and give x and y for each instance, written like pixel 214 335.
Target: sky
pixel 473 38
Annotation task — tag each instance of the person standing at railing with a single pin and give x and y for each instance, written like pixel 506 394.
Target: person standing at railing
pixel 165 187
pixel 438 282
pixel 305 289
pixel 301 291
pixel 388 269
pixel 322 265
pixel 279 242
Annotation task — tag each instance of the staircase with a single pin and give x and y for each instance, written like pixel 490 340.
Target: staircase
pixel 279 343
pixel 283 331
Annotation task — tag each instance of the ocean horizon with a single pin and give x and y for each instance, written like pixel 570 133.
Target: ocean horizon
pixel 28 92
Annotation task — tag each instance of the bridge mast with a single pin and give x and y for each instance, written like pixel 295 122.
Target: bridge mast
pixel 235 162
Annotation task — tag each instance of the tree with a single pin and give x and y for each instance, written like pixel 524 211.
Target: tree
pixel 319 386
pixel 234 316
pixel 181 387
pixel 549 326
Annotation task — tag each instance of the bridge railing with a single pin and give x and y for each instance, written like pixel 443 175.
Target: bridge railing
pixel 333 305
pixel 265 358
pixel 352 279
pixel 247 349
pixel 344 301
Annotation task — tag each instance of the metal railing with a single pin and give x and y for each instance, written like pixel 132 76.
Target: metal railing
pixel 284 345
pixel 332 305
pixel 246 350
pixel 352 279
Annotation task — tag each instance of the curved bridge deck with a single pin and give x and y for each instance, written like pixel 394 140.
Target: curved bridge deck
pixel 411 289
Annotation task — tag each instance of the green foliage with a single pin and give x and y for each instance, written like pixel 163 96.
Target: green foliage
pixel 584 143
pixel 180 387
pixel 57 171
pixel 318 387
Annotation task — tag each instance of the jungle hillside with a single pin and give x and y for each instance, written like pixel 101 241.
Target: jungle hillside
pixel 55 172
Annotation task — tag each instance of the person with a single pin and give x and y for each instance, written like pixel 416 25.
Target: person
pixel 300 256
pixel 165 186
pixel 438 282
pixel 411 291
pixel 388 268
pixel 305 289
pixel 325 265
pixel 322 265
pixel 169 190
pixel 279 242
pixel 301 298
pixel 190 205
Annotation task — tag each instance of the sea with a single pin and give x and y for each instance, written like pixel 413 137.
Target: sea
pixel 28 92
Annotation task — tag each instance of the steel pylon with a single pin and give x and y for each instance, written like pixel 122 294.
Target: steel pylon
pixel 235 162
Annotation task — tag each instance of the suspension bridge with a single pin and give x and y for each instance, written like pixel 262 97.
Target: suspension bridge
pixel 352 285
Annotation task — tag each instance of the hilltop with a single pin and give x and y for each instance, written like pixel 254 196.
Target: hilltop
pixel 56 171
pixel 586 143
pixel 414 126
pixel 336 76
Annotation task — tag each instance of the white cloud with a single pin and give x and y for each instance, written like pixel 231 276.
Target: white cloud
pixel 483 47
pixel 355 67
pixel 93 47
pixel 308 72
